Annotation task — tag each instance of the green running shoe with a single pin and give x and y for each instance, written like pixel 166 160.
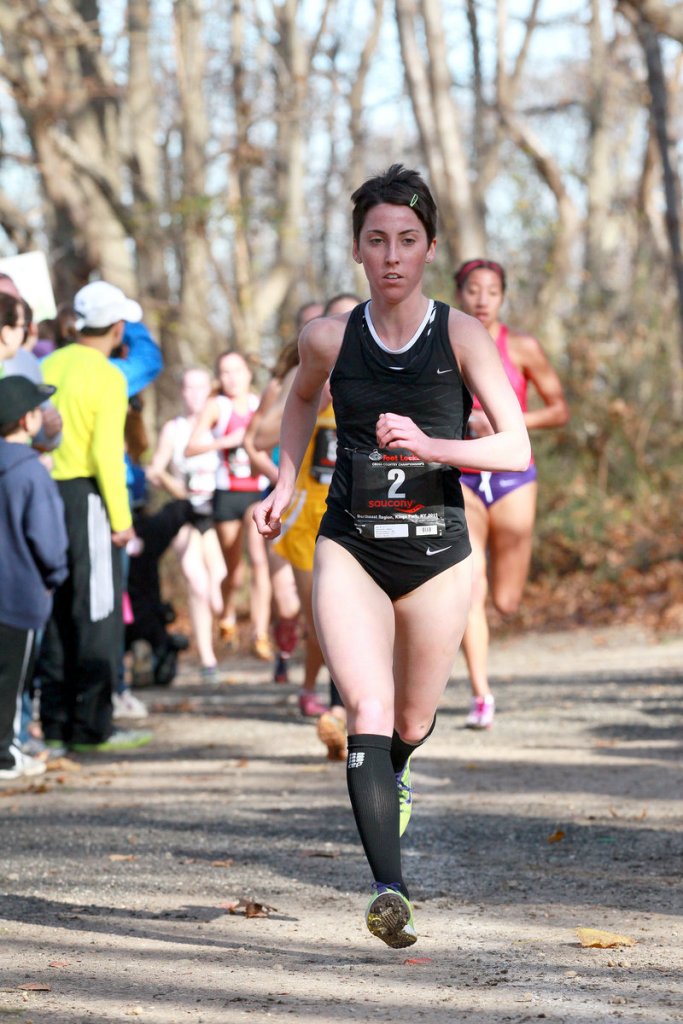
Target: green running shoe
pixel 390 917
pixel 120 739
pixel 405 797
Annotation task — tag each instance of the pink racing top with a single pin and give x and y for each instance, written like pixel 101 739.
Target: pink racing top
pixel 515 376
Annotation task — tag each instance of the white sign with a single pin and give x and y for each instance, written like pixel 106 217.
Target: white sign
pixel 30 273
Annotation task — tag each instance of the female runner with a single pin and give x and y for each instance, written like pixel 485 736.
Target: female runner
pixel 500 507
pixel 225 418
pixel 196 545
pixel 392 574
pixel 298 536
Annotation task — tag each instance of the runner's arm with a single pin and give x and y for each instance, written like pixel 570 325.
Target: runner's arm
pixel 260 459
pixel 157 472
pixel 200 441
pixel 507 448
pixel 318 345
pixel 537 367
pixel 267 434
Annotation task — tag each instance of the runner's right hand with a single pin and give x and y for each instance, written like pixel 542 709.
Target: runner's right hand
pixel 268 513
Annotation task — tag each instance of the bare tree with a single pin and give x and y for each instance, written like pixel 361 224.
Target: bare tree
pixel 68 98
pixel 553 296
pixel 600 242
pixel 440 125
pixel 671 179
pixel 662 16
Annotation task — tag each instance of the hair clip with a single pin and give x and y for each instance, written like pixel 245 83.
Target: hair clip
pixel 414 200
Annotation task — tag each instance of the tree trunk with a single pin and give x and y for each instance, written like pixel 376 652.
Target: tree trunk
pixel 600 240
pixel 142 130
pixel 439 125
pixel 661 15
pixel 193 335
pixel 556 294
pixel 671 181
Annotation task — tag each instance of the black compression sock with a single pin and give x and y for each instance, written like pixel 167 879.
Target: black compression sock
pixel 374 798
pixel 401 751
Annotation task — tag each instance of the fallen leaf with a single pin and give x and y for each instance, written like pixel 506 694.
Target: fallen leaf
pixel 248 908
pixel 557 836
pixel 257 910
pixel 63 764
pixel 221 863
pixel 123 856
pixel 34 986
pixel 59 963
pixel 594 938
pixel 417 960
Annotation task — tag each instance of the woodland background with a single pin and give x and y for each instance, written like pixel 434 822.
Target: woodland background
pixel 201 154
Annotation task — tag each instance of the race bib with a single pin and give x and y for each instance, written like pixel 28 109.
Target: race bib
pixel 324 455
pixel 239 463
pixel 396 494
pixel 201 482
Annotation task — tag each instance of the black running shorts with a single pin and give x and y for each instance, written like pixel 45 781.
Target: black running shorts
pixel 402 564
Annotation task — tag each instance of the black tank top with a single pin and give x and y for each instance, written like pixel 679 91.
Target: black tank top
pixel 423 382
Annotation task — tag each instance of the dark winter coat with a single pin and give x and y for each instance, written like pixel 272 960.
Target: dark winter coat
pixel 33 540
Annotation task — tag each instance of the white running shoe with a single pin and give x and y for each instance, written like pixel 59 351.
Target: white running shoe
pixel 481 713
pixel 25 766
pixel 127 705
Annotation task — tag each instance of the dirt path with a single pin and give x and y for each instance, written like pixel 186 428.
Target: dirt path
pixel 115 874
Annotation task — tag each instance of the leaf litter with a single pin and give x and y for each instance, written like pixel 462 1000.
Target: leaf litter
pixel 595 938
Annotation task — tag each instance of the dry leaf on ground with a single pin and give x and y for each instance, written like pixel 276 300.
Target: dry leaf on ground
pixel 123 856
pixel 63 764
pixel 557 836
pixel 595 938
pixel 34 986
pixel 248 908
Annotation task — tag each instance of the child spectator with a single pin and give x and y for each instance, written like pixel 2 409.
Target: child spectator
pixel 32 557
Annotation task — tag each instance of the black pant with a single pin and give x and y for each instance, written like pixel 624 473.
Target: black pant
pixel 17 651
pixel 144 586
pixel 81 648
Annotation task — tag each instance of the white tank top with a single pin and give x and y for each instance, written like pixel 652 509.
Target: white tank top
pixel 198 472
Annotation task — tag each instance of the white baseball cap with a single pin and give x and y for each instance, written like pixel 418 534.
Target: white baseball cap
pixel 100 304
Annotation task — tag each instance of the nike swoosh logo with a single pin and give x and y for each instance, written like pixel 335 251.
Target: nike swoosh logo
pixel 437 551
pixel 445 371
